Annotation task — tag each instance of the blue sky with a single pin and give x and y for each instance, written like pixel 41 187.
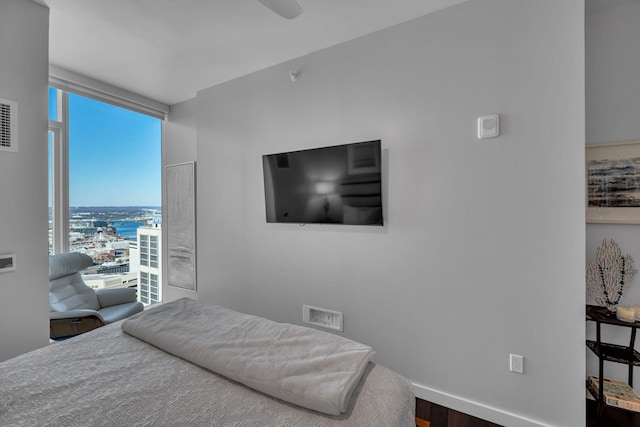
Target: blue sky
pixel 114 155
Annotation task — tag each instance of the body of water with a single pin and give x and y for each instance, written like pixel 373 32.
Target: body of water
pixel 127 229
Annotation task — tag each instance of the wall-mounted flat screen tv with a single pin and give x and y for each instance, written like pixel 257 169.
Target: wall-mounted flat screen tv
pixel 341 184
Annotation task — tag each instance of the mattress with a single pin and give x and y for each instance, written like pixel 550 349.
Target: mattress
pixel 108 378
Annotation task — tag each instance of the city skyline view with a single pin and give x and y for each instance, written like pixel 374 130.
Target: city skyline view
pixel 114 155
pixel 114 190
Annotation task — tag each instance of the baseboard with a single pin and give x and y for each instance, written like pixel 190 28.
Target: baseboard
pixel 475 409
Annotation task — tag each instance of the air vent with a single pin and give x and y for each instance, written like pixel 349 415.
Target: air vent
pixel 8 125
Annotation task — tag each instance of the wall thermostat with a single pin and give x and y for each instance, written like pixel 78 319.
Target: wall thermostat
pixel 488 126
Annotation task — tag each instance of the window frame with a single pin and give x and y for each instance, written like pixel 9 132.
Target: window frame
pixel 65 82
pixel 59 129
pixel 60 174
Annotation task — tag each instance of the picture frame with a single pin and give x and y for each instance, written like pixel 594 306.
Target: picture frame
pixel 181 225
pixel 612 182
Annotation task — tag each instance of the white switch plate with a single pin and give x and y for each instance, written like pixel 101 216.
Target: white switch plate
pixel 7 263
pixel 516 363
pixel 488 126
pixel 322 318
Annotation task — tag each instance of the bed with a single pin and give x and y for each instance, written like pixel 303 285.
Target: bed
pixel 120 375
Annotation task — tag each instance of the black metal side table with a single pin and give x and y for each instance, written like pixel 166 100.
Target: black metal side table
pixel 610 352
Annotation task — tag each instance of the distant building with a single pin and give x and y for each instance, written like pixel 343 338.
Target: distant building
pixel 149 263
pixel 113 268
pixel 134 256
pixel 106 281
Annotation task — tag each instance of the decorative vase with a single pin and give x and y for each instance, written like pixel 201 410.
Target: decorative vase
pixel 609 275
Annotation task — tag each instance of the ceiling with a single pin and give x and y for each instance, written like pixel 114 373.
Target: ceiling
pixel 167 50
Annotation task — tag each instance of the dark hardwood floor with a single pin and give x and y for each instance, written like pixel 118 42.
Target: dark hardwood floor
pixel 611 417
pixel 439 416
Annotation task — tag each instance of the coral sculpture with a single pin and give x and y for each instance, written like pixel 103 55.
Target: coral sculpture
pixel 609 275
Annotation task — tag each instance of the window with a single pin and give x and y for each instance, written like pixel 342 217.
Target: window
pixel 144 249
pixel 153 251
pixel 149 288
pixel 104 183
pixel 153 288
pixel 144 288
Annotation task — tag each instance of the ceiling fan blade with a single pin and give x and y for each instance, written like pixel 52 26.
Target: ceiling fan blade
pixel 286 8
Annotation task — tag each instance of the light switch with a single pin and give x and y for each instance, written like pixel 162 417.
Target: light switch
pixel 488 126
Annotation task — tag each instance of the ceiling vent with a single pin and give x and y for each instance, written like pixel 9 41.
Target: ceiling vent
pixel 8 125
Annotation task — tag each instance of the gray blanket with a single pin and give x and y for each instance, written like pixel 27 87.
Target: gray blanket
pixel 303 366
pixel 108 378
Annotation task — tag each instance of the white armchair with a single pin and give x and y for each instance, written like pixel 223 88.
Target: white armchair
pixel 75 307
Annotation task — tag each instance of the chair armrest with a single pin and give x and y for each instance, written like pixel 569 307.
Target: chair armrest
pixel 74 314
pixel 109 297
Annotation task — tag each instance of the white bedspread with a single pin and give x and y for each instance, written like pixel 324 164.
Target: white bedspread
pixel 108 378
pixel 303 366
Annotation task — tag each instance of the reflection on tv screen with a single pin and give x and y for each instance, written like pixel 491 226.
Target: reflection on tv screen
pixel 340 184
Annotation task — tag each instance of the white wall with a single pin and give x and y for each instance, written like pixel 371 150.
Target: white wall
pixel 179 136
pixel 612 106
pixel 24 319
pixel 482 253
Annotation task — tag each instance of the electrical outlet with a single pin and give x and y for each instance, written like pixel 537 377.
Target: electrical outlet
pixel 7 263
pixel 328 320
pixel 322 317
pixel 516 363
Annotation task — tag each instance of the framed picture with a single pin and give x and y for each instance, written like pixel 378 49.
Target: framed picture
pixel 181 225
pixel 613 182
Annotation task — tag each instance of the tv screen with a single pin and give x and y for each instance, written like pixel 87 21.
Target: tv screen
pixel 340 184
